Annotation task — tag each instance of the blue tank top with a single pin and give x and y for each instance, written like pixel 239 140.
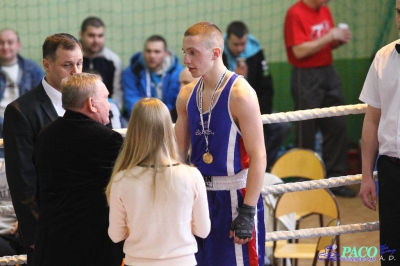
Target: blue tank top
pixel 224 138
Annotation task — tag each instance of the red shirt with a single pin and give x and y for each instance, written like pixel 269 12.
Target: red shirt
pixel 302 24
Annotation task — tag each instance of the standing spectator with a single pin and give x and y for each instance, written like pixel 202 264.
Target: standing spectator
pixel 148 176
pixel 380 134
pixel 24 118
pixel 219 117
pixel 74 156
pixel 97 57
pixel 310 36
pixel 18 75
pixel 244 56
pixel 152 73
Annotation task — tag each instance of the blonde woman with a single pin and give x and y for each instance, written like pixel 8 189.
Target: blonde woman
pixel 157 203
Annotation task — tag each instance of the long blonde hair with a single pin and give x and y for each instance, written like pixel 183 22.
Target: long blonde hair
pixel 150 137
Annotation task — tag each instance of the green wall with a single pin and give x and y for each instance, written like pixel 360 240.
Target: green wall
pixel 352 73
pixel 130 22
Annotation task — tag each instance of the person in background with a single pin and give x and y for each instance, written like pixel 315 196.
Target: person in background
pixel 23 120
pixel 244 56
pixel 18 75
pixel 74 156
pixel 97 57
pixel 185 77
pixel 310 35
pixel 147 176
pixel 154 72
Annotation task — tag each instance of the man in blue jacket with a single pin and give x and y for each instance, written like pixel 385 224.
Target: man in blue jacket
pixel 18 75
pixel 154 72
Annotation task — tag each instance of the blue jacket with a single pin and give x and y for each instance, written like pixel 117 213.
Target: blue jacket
pixel 134 82
pixel 30 75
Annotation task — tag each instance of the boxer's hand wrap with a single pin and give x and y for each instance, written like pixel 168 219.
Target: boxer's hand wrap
pixel 244 222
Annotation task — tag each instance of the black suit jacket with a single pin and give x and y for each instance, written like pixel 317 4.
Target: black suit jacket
pixel 74 157
pixel 23 119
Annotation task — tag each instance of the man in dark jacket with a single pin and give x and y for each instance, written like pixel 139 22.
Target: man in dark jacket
pixel 74 157
pixel 243 55
pixel 152 73
pixel 24 118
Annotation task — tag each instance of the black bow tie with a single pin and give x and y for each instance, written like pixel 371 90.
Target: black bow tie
pixel 398 48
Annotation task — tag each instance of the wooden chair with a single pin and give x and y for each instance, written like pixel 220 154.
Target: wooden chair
pixel 325 247
pixel 318 201
pixel 300 163
pixel 322 250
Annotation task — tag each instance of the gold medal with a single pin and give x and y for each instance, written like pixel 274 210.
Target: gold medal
pixel 207 158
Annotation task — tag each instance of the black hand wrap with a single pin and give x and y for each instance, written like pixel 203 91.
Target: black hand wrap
pixel 244 222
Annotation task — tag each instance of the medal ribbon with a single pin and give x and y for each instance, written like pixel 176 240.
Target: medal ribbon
pixel 200 107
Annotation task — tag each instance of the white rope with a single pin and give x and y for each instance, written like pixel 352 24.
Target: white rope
pixel 314 113
pixel 296 115
pixel 314 184
pixel 7 210
pixel 322 231
pixel 13 260
pixel 275 189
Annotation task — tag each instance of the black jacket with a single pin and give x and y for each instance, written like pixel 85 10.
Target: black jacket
pixel 260 79
pixel 74 157
pixel 23 120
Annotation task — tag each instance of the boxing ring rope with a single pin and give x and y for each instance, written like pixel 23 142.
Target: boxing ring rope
pixel 313 184
pixel 314 113
pixel 274 189
pixel 322 231
pixel 13 260
pixel 279 188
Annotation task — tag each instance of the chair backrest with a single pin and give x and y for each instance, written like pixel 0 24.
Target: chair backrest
pixel 299 162
pixel 325 241
pixel 325 246
pixel 320 201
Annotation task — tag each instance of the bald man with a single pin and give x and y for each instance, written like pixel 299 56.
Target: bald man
pixel 185 77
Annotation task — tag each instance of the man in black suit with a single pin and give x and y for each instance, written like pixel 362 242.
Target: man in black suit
pixel 74 157
pixel 24 118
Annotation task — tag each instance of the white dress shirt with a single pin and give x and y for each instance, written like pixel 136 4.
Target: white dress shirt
pixel 55 97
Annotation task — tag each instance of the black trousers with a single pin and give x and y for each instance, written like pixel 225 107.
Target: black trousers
pixel 389 210
pixel 319 88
